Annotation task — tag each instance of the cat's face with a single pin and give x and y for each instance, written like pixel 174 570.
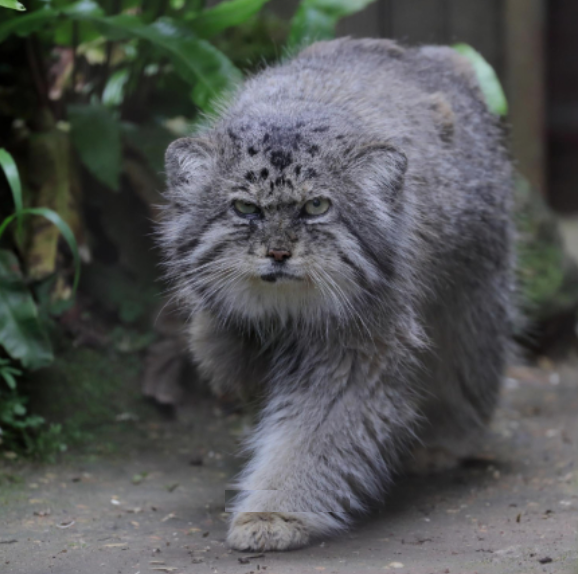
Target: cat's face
pixel 272 224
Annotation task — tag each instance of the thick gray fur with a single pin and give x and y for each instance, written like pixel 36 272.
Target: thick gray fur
pixel 394 328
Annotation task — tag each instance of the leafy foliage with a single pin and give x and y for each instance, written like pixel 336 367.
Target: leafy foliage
pixel 21 432
pixel 97 90
pixel 13 5
pixel 22 334
pixel 95 132
pixel 316 19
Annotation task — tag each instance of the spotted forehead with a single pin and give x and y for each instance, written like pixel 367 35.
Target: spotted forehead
pixel 271 186
pixel 278 162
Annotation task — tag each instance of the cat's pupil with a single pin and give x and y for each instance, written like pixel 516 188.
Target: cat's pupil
pixel 316 202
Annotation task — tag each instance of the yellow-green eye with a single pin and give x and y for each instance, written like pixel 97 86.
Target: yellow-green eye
pixel 245 208
pixel 317 206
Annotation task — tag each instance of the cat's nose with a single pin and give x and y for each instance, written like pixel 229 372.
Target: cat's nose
pixel 279 255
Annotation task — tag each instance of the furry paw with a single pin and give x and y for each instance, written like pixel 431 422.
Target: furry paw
pixel 262 531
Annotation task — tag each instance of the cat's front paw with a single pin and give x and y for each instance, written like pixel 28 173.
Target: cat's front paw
pixel 262 531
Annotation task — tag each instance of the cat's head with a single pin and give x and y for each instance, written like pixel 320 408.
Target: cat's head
pixel 281 219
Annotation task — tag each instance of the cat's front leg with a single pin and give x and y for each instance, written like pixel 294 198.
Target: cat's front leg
pixel 285 503
pixel 318 457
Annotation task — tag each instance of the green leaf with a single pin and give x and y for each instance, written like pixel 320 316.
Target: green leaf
pixel 65 231
pixel 63 227
pixel 317 19
pixel 11 172
pixel 10 380
pixel 113 94
pixel 487 78
pixel 95 133
pixel 225 15
pixel 28 23
pixel 34 21
pixel 83 9
pixel 21 333
pixel 13 5
pixel 199 63
pixel 195 60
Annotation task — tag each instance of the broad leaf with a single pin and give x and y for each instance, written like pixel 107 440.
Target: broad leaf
pixel 113 94
pixel 195 60
pixel 21 333
pixel 317 19
pixel 13 5
pixel 199 63
pixel 95 133
pixel 34 21
pixel 64 228
pixel 27 23
pixel 11 172
pixel 487 78
pixel 224 15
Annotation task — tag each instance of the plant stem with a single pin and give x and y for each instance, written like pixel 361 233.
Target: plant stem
pixel 37 72
pixel 75 60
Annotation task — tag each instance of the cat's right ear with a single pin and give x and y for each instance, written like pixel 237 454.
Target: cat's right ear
pixel 189 162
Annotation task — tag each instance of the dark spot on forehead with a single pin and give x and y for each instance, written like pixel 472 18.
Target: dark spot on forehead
pixel 250 176
pixel 266 138
pixel 320 129
pixel 252 150
pixel 310 172
pixel 313 150
pixel 297 170
pixel 340 137
pixel 264 173
pixel 281 159
pixel 296 141
pixel 233 135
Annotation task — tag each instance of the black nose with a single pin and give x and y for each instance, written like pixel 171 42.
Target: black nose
pixel 279 255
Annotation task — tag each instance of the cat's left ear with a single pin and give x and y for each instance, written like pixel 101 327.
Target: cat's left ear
pixel 189 162
pixel 380 167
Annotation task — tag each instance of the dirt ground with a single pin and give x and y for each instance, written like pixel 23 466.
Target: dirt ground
pixel 157 504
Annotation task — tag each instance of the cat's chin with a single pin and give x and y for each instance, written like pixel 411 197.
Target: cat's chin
pixel 280 276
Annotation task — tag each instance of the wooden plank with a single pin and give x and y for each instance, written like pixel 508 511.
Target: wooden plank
pixel 363 24
pixel 417 21
pixel 525 88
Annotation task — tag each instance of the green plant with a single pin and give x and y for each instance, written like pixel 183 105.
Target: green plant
pixel 23 335
pixel 21 432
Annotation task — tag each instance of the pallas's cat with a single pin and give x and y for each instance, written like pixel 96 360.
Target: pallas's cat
pixel 341 237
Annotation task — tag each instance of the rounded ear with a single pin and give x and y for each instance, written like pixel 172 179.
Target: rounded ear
pixel 188 161
pixel 380 167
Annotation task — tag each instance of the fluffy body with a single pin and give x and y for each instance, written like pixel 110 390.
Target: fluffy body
pixel 390 323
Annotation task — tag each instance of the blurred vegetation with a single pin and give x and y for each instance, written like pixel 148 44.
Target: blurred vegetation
pixel 91 94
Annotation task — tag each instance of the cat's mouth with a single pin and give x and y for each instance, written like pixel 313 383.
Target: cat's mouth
pixel 275 276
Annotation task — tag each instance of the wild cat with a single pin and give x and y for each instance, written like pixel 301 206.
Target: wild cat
pixel 341 236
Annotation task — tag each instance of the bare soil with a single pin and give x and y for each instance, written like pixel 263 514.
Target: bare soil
pixel 157 504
